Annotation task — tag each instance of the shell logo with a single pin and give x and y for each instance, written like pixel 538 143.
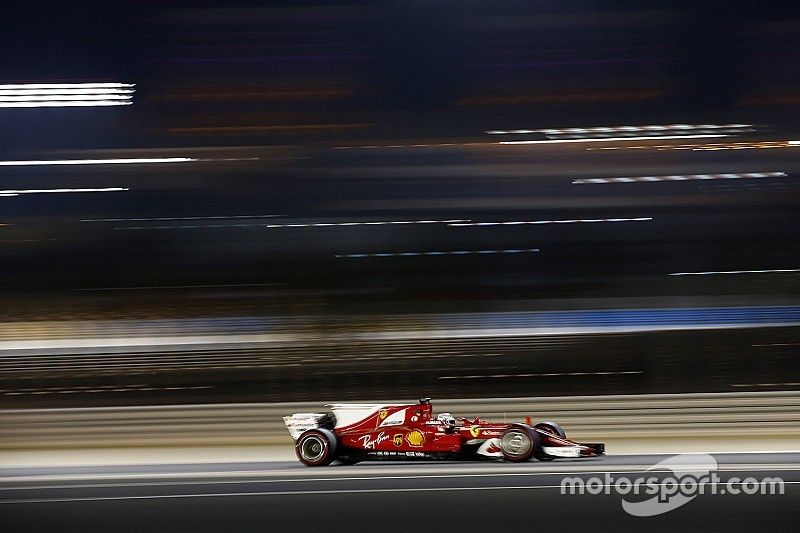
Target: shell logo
pixel 415 438
pixel 475 430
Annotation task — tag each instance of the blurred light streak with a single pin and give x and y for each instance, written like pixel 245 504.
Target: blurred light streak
pixel 776 344
pixel 23 92
pixel 26 240
pixel 9 194
pixel 542 375
pixel 566 221
pixel 15 192
pixel 298 225
pixel 706 146
pixel 686 177
pixel 455 252
pixel 712 272
pixel 83 103
pixel 257 340
pixel 100 389
pixel 123 161
pixel 177 218
pixel 420 145
pixel 682 128
pixel 76 86
pixel 65 95
pixel 612 139
pixel 784 384
pixel 261 128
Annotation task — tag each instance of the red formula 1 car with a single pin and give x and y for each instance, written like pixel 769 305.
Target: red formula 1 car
pixel 355 432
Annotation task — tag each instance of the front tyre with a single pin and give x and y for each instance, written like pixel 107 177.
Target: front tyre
pixel 316 447
pixel 519 443
pixel 553 429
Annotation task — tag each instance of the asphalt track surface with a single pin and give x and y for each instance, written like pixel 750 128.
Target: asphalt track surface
pixel 390 496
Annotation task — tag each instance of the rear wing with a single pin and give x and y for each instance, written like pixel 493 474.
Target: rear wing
pixel 300 422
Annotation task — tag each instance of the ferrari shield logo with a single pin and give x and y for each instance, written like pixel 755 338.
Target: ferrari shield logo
pixel 383 413
pixel 397 440
pixel 475 431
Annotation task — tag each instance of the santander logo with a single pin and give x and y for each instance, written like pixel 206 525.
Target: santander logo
pixel 369 443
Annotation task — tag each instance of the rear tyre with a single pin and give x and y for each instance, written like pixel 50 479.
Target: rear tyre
pixel 316 447
pixel 519 443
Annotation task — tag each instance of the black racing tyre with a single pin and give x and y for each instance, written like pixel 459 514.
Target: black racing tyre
pixel 552 427
pixel 519 443
pixel 316 447
pixel 549 427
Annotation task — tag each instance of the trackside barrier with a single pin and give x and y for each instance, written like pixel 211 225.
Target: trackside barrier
pixel 649 416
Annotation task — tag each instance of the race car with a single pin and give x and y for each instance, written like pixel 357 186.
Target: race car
pixel 351 433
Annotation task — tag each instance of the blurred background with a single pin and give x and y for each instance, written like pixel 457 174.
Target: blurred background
pixel 210 202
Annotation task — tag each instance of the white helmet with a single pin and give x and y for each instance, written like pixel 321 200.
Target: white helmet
pixel 447 419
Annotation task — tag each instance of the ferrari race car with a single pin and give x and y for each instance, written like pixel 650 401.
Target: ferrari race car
pixel 351 433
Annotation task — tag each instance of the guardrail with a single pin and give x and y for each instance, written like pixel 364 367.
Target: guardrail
pixel 585 417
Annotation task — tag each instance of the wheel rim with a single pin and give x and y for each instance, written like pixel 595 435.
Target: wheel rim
pixel 312 448
pixel 515 443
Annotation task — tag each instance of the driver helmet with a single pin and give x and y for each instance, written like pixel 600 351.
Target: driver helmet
pixel 447 419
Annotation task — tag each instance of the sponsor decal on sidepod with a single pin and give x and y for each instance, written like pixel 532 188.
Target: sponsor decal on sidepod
pixel 415 438
pixel 369 443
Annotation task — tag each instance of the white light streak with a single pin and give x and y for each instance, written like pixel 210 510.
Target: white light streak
pixel 686 177
pixel 124 161
pixel 66 94
pixel 759 145
pixel 82 103
pixel 294 225
pixel 67 86
pixel 374 223
pixel 537 222
pixel 545 375
pixel 438 253
pixel 66 97
pixel 23 92
pixel 715 272
pixel 622 129
pixel 177 218
pixel 16 192
pixel 611 139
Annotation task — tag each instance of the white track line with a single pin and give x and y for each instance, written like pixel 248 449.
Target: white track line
pixel 316 492
pixel 689 468
pixel 458 472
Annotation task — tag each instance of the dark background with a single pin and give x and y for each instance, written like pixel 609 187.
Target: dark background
pixel 355 112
